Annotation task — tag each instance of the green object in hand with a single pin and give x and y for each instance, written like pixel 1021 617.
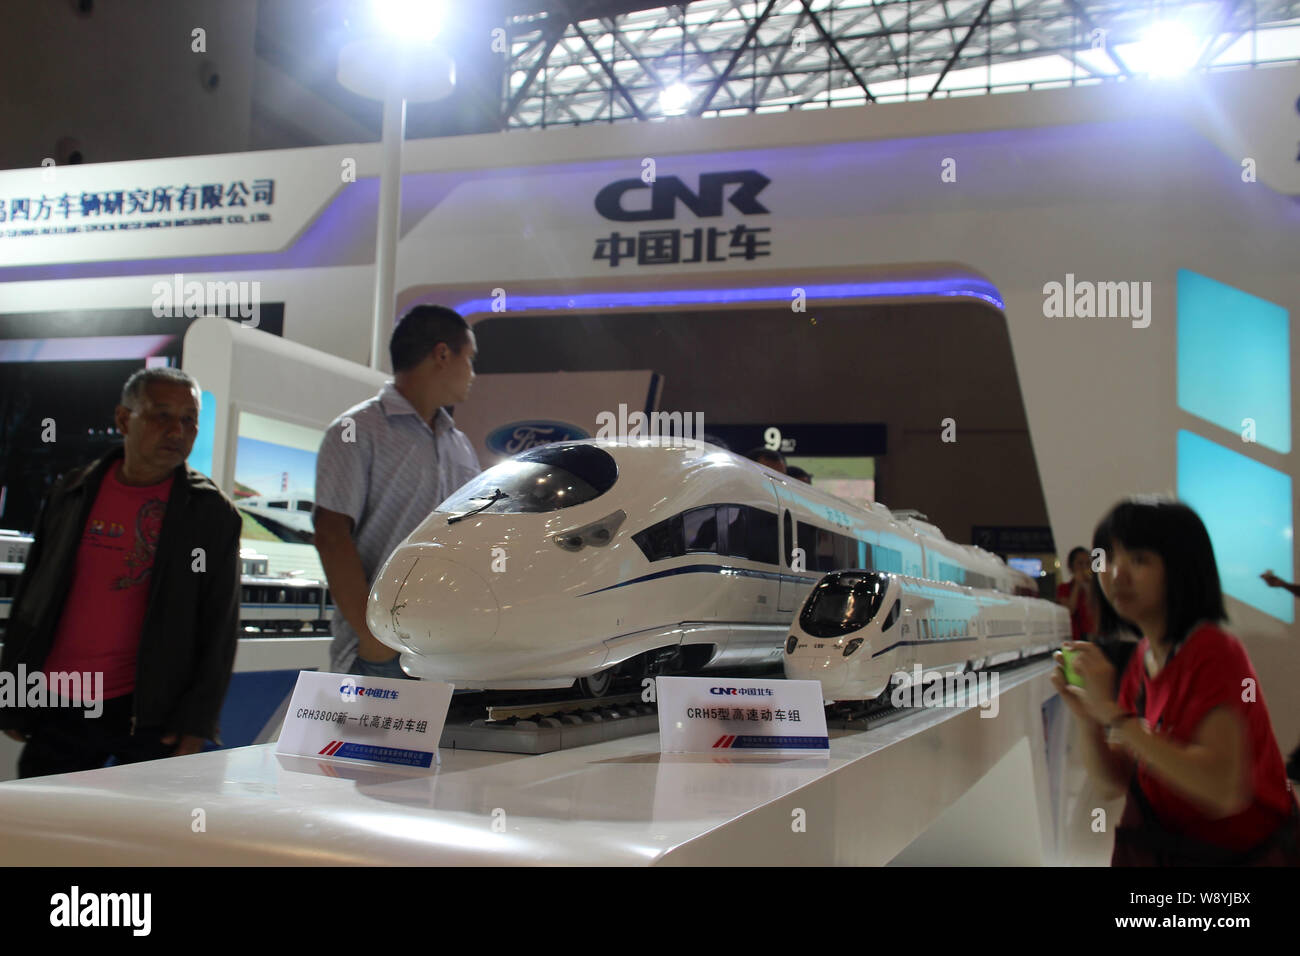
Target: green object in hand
pixel 1071 675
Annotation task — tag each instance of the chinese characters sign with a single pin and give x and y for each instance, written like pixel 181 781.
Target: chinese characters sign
pixel 378 720
pixel 65 213
pixel 673 245
pixel 711 714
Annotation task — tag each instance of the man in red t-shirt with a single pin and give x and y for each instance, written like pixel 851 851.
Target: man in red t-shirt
pixel 129 600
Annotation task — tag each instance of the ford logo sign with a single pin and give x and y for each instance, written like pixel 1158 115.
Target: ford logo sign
pixel 520 436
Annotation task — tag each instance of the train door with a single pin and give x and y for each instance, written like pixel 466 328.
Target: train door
pixel 789 587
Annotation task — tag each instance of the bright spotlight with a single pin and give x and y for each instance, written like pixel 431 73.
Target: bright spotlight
pixel 416 20
pixel 1170 48
pixel 673 99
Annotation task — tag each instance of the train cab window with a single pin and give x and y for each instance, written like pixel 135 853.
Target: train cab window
pixel 761 538
pixel 701 528
pixel 539 480
pixel 732 521
pixel 843 603
pixel 892 617
pixel 663 540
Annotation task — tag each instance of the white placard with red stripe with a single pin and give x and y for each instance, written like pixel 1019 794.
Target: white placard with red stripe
pixel 377 720
pixel 741 715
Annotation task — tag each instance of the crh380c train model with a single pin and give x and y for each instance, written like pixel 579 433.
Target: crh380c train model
pixel 581 560
pixel 856 629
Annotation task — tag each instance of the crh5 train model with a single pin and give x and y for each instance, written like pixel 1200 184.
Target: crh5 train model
pixel 581 560
pixel 858 628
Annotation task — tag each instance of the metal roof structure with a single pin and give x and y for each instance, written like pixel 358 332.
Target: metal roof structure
pixel 574 62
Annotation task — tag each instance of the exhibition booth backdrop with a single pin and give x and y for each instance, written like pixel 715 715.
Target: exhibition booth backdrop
pixel 1133 244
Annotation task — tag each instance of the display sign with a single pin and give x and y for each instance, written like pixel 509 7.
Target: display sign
pixel 727 714
pixel 234 203
pixel 808 439
pixel 1014 540
pixel 383 720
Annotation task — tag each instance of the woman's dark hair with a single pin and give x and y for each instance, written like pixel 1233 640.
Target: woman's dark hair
pixel 1175 532
pixel 1069 562
pixel 420 331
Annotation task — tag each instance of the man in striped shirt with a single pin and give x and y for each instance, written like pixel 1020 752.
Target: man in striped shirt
pixel 383 466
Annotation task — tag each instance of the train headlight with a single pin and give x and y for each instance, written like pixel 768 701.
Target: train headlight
pixel 597 534
pixel 853 645
pixel 791 643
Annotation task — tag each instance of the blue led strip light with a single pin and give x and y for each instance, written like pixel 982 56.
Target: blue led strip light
pixel 963 286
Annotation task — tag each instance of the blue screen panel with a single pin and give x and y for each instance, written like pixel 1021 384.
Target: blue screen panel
pixel 1234 359
pixel 201 454
pixel 1247 509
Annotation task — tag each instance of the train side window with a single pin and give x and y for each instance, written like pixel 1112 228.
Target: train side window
pixel 662 540
pixel 763 544
pixel 807 535
pixel 701 527
pixel 846 552
pixel 278 504
pixel 789 539
pixel 887 559
pixel 891 617
pixel 304 505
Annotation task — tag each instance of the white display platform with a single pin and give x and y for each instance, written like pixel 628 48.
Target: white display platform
pixel 941 785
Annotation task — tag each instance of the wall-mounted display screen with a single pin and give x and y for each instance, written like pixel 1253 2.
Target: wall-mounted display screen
pixel 275 491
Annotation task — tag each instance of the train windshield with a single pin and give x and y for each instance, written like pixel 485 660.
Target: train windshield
pixel 843 603
pixel 541 479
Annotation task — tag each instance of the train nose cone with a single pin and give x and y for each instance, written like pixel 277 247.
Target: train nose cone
pixel 424 603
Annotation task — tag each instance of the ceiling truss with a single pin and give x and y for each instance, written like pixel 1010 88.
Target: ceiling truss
pixel 733 56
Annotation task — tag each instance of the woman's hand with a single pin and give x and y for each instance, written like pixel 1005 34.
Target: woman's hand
pixel 1092 701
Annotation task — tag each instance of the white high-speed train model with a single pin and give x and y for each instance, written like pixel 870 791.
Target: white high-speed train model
pixel 579 560
pixel 858 628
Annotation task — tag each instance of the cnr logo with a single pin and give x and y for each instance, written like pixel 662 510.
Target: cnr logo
pixel 723 690
pixel 667 190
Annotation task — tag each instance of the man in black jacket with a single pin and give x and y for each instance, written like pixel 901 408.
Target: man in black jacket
pixel 133 578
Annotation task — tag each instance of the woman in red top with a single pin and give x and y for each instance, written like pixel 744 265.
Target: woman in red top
pixel 1189 734
pixel 1077 595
